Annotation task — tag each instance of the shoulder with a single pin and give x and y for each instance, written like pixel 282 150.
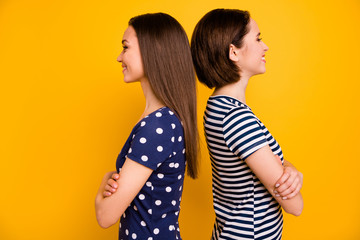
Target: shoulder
pixel 226 105
pixel 221 103
pixel 159 123
pixel 242 119
pixel 162 117
pixel 239 113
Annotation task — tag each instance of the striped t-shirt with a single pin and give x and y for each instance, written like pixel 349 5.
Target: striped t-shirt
pixel 244 208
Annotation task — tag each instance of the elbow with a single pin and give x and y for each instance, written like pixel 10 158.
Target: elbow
pixel 295 211
pixel 104 224
pixel 106 215
pixel 103 221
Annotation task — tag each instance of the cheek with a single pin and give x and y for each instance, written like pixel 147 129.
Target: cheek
pixel 139 66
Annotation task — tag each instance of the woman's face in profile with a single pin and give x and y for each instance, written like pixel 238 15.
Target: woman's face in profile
pixel 130 57
pixel 252 53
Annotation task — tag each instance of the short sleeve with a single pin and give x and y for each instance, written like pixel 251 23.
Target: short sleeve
pixel 151 144
pixel 242 132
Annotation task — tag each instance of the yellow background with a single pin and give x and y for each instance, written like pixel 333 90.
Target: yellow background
pixel 65 111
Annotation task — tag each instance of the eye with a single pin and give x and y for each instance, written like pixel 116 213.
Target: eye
pixel 259 39
pixel 124 47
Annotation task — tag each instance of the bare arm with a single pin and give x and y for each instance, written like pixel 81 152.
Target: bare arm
pixel 268 169
pixel 131 179
pixel 290 182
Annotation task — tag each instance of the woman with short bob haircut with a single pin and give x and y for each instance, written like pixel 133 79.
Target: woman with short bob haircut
pixel 251 179
pixel 145 191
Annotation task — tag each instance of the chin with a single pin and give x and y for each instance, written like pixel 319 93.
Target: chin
pixel 262 71
pixel 126 80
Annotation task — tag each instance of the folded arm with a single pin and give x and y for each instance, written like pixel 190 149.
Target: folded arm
pixel 131 179
pixel 290 183
pixel 269 170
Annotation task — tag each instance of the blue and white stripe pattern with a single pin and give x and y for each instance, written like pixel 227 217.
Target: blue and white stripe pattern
pixel 244 208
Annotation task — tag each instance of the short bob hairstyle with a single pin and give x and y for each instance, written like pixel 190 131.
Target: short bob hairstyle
pixel 210 44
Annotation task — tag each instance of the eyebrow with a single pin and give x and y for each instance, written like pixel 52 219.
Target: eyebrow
pixel 124 41
pixel 258 34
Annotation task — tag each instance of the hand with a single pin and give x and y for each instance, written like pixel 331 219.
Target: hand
pixel 289 183
pixel 111 185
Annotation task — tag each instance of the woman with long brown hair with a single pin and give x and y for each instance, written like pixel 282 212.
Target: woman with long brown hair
pixel 151 165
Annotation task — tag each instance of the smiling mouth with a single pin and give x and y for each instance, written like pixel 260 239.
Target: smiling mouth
pixel 263 58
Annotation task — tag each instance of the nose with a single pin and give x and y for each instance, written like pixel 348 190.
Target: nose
pixel 266 48
pixel 119 58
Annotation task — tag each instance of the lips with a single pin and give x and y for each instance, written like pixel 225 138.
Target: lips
pixel 124 67
pixel 263 58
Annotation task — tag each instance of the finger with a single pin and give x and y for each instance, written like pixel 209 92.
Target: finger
pixel 292 181
pixel 112 183
pixel 282 179
pixel 107 194
pixel 115 176
pixel 110 189
pixel 291 189
pixel 293 194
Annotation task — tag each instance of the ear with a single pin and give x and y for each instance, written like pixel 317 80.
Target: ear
pixel 233 53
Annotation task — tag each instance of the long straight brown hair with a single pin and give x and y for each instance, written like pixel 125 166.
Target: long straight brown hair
pixel 168 65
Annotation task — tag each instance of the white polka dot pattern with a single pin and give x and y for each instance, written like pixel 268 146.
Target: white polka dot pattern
pixel 156 142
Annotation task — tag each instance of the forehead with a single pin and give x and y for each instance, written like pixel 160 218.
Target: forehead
pixel 253 27
pixel 129 34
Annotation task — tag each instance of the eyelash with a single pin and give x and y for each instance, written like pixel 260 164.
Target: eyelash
pixel 124 47
pixel 259 39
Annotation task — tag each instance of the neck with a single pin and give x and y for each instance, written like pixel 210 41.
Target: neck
pixel 152 102
pixel 235 90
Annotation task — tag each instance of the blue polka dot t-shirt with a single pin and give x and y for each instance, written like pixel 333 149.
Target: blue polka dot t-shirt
pixel 156 142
